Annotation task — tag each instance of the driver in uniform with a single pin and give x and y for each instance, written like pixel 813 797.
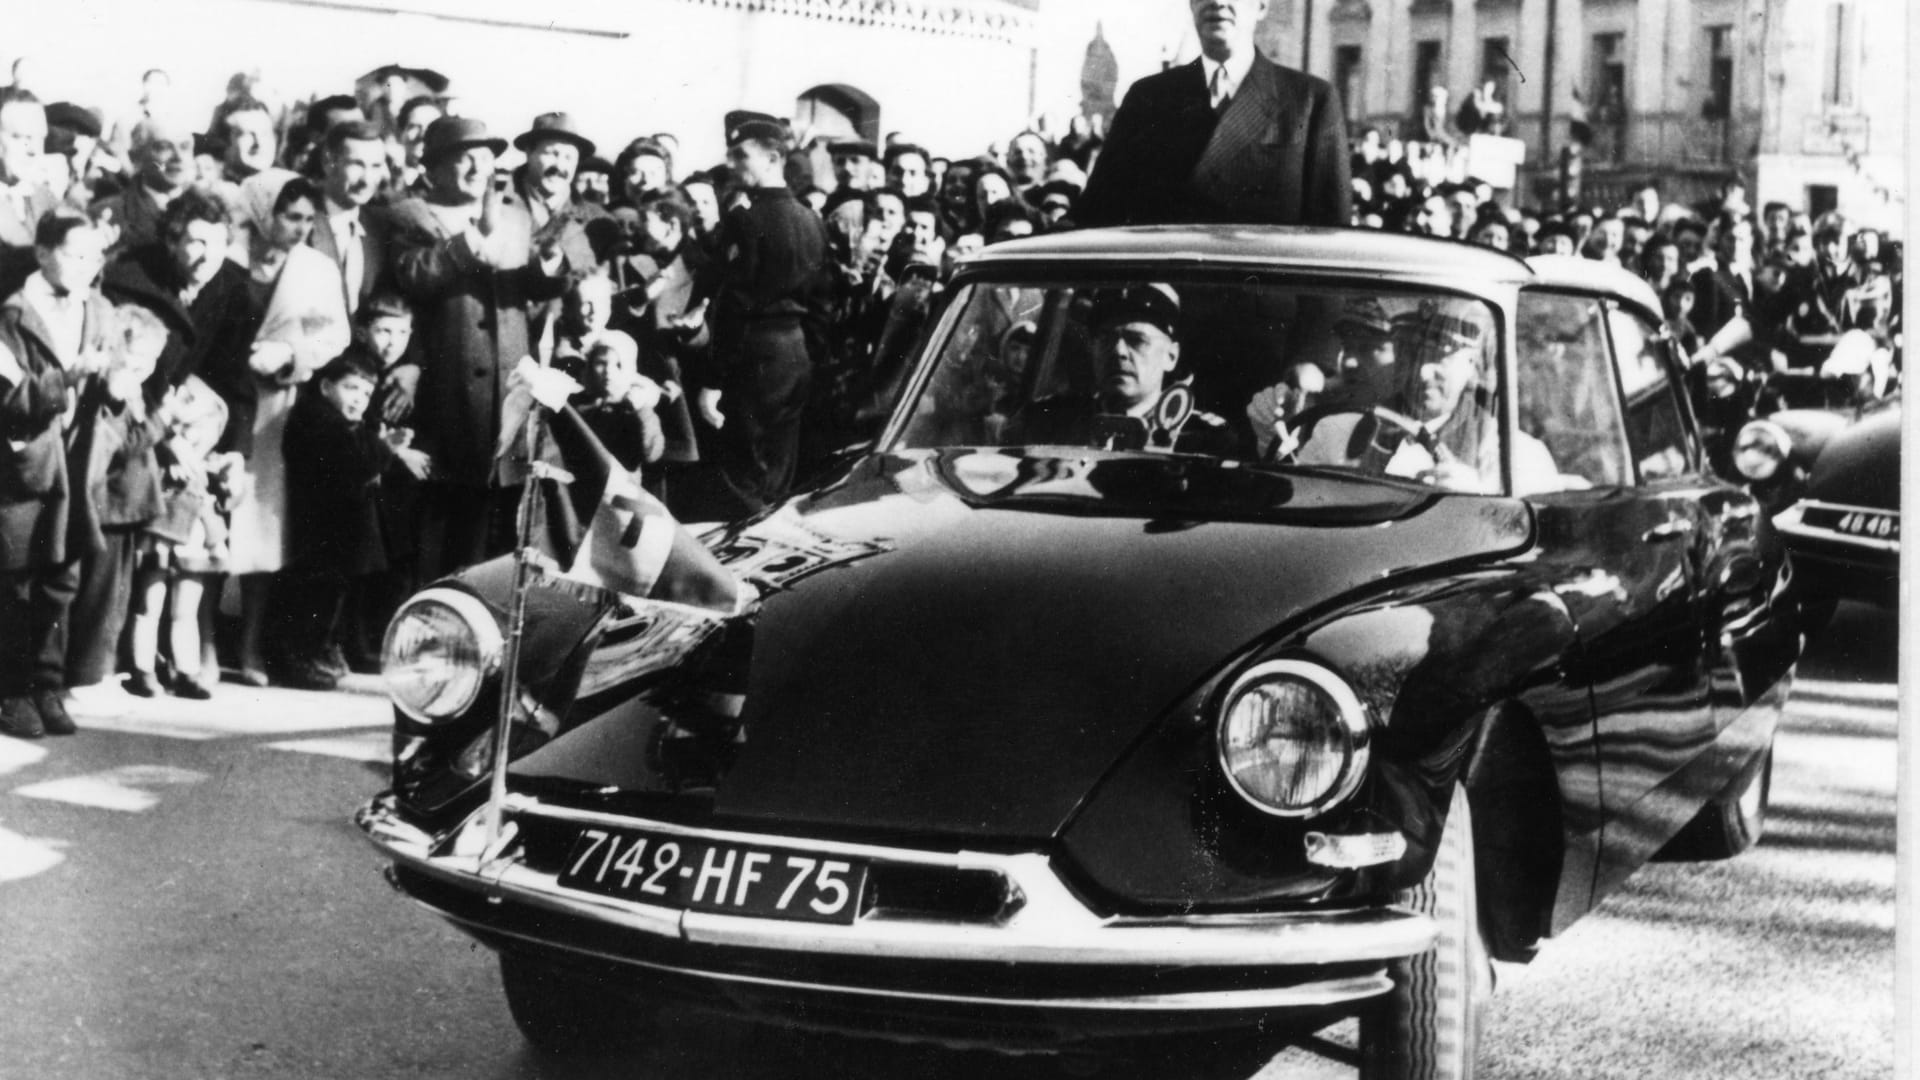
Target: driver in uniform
pixel 1136 346
pixel 1440 427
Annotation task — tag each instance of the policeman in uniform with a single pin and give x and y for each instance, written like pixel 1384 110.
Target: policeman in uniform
pixel 1136 345
pixel 768 286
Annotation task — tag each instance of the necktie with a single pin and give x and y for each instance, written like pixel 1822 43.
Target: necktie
pixel 1220 90
pixel 353 258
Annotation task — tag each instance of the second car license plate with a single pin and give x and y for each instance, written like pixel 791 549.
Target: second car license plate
pixel 732 879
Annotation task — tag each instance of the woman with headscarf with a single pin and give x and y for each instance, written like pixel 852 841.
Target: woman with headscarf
pixel 299 302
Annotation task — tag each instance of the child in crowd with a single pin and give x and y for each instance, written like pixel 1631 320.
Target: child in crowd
pixel 335 460
pixel 1676 303
pixel 584 314
pixel 384 326
pixel 618 402
pixel 185 547
pixel 113 442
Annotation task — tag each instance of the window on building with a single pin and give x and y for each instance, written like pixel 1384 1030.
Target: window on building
pixel 1496 66
pixel 1843 47
pixel 1822 198
pixel 1426 71
pixel 1609 100
pixel 1719 104
pixel 1347 77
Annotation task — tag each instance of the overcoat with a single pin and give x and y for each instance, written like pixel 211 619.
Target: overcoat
pixel 1277 155
pixel 41 522
pixel 470 320
pixel 374 274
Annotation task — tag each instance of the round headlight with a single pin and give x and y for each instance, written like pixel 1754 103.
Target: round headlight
pixel 1760 449
pixel 439 649
pixel 1293 738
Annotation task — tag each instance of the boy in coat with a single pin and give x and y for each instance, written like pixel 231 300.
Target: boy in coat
pixel 334 464
pixel 53 338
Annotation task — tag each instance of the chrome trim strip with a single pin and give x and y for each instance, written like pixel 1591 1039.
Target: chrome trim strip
pixel 1792 522
pixel 1051 927
pixel 1303 995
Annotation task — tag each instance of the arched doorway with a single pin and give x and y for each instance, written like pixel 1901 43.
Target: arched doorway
pixel 837 111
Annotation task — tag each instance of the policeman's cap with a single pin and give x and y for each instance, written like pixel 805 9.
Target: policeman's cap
pixel 743 125
pixel 853 148
pixel 1155 303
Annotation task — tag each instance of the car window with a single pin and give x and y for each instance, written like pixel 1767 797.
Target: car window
pixel 1567 397
pixel 1388 382
pixel 1655 431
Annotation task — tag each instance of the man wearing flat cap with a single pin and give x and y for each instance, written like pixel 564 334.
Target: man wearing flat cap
pixel 1134 406
pixel 770 295
pixel 465 256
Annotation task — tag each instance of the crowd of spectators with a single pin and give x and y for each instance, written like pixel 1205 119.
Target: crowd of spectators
pixel 287 404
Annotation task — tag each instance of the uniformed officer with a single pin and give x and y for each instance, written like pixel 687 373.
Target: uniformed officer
pixel 769 283
pixel 1135 406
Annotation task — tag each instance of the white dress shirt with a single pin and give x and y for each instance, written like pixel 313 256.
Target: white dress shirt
pixel 1225 79
pixel 353 255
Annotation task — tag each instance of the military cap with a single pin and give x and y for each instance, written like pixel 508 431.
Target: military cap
pixel 853 148
pixel 1154 302
pixel 1437 332
pixel 742 125
pixel 75 118
pixel 593 163
pixel 427 77
pixel 1363 319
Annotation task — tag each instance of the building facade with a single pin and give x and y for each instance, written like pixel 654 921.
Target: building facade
pixel 1802 100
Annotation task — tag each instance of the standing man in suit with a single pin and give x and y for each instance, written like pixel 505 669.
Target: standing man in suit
pixel 24 196
pixel 1229 138
pixel 349 230
pixel 1723 307
pixel 465 257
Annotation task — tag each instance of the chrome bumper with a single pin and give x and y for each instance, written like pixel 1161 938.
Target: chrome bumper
pixel 1051 927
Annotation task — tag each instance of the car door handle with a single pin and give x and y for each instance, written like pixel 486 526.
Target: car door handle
pixel 1671 530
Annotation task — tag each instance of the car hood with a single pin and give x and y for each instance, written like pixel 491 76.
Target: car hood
pixel 963 643
pixel 1860 465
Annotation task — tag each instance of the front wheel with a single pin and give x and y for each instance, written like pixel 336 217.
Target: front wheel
pixel 1428 1027
pixel 566 1014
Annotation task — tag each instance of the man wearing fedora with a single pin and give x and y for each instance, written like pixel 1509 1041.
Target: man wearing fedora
pixel 555 148
pixel 465 256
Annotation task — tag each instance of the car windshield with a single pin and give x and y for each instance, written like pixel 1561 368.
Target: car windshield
pixel 1381 381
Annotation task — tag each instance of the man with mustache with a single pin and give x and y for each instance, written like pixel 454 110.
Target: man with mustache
pixel 350 230
pixel 1229 138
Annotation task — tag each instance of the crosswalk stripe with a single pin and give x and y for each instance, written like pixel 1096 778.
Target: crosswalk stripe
pixel 1884 693
pixel 25 856
pixel 16 755
pixel 245 711
pixel 376 747
pixel 121 789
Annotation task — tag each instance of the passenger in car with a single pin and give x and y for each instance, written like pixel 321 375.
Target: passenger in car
pixel 1136 346
pixel 1440 426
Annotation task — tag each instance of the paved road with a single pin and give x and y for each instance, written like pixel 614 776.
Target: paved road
pixel 181 896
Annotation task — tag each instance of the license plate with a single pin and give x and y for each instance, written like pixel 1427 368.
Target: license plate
pixel 699 875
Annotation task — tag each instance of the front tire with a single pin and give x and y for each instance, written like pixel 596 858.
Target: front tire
pixel 565 1014
pixel 1428 1027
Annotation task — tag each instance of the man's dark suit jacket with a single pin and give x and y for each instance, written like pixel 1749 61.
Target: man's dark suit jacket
pixel 1276 156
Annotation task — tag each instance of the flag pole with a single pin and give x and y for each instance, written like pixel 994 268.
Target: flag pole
pixel 523 572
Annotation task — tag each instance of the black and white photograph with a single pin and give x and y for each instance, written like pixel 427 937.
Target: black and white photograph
pixel 1129 539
